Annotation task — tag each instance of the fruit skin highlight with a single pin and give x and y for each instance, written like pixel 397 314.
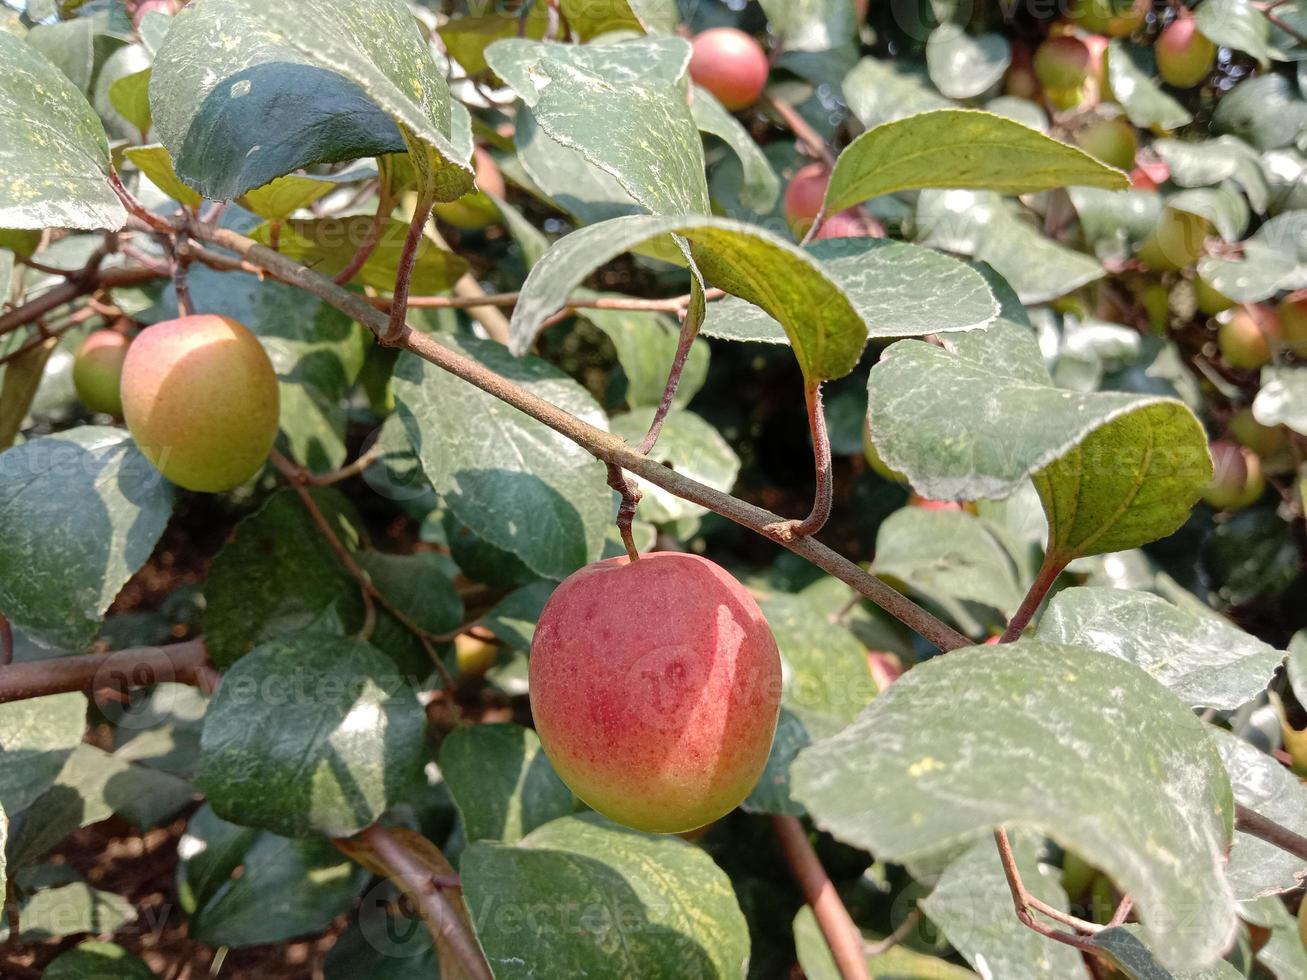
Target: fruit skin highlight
pixel 655 687
pixel 731 65
pixel 200 398
pixel 98 369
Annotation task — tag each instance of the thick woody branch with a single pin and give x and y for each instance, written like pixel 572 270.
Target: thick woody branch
pixel 182 663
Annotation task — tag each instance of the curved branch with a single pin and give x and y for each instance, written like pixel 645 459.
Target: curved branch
pixel 1253 823
pixel 370 238
pixel 605 446
pixel 181 663
pixel 694 314
pixel 824 493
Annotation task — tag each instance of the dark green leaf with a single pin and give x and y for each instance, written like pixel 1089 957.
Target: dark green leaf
pixel 1235 24
pixel 311 734
pixel 970 740
pixel 1135 960
pixel 97 961
pixel 69 909
pixel 761 187
pixel 80 512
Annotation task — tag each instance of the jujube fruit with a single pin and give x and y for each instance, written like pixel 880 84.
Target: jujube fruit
pixel 804 195
pixel 1292 312
pixel 1176 242
pixel 655 687
pixel 1063 66
pixel 1264 440
pixel 98 370
pixel 849 223
pixel 1210 300
pixel 731 65
pixel 1237 479
pixel 1115 18
pixel 1184 56
pixel 1246 337
pixel 200 398
pixel 1111 140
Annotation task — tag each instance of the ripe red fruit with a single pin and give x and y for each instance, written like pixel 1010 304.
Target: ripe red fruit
pixel 1237 479
pixel 474 210
pixel 1246 337
pixel 1184 56
pixel 200 398
pixel 167 7
pixel 731 65
pixel 850 223
pixel 803 196
pixel 98 370
pixel 655 688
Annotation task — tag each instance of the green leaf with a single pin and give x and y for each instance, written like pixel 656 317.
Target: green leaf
pixel 761 187
pixel 155 162
pixel 983 225
pixel 1262 784
pixel 132 62
pixel 1130 72
pixel 69 909
pixel 328 245
pixel 37 736
pixel 963 65
pixel 811 25
pixel 97 961
pixel 896 963
pixel 624 904
pixel 646 344
pixel 278 576
pixel 960 148
pixel 691 447
pixel 947 555
pixel 1212 161
pixel 1266 111
pixel 311 734
pixel 56 153
pixel 971 740
pixel 80 512
pixel 1114 470
pixel 1274 258
pixel 502 782
pixel 1008 344
pixel 466 38
pixel 512 480
pixel 418 586
pixel 322 83
pixel 1135 960
pixel 1282 399
pixel 230 878
pixel 1235 24
pixel 899 290
pixel 825 683
pixel 824 329
pixel 972 904
pixel 590 18
pixel 278 199
pixel 513 619
pixel 881 91
pixel 1205 660
pixel 1284 953
pixel 70 45
pixel 622 107
pixel 130 96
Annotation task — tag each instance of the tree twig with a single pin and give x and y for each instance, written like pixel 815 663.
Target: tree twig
pixel 900 933
pixel 404 274
pixel 842 936
pixel 1021 900
pixel 1048 573
pixel 370 238
pixel 694 314
pixel 6 642
pixel 1255 824
pixel 137 667
pixel 603 445
pixel 821 455
pixel 626 510
pixel 437 912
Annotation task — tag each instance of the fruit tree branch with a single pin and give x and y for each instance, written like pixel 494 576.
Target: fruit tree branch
pixel 694 314
pixel 437 912
pixel 370 238
pixel 404 274
pixel 824 494
pixel 137 667
pixel 1253 823
pixel 1025 903
pixel 842 936
pixel 603 445
pixel 1048 573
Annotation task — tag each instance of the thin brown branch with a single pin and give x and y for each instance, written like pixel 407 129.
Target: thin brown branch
pixel 689 331
pixel 900 933
pixel 603 445
pixel 137 667
pixel 626 510
pixel 817 147
pixel 1122 912
pixel 842 936
pixel 823 496
pixel 361 463
pixel 46 334
pixel 1048 573
pixel 6 642
pixel 370 238
pixel 1253 823
pixel 437 912
pixel 404 274
pixel 139 210
pixel 1021 899
pixel 66 292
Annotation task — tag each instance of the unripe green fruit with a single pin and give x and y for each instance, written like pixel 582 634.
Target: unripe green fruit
pixel 1292 313
pixel 1237 479
pixel 655 688
pixel 804 195
pixel 1184 56
pixel 200 398
pixel 1246 337
pixel 1210 300
pixel 1264 440
pixel 1062 63
pixel 1111 140
pixel 475 656
pixel 98 371
pixel 1176 242
pixel 1156 300
pixel 474 210
pixel 1077 876
pixel 731 65
pixel 1115 18
pixel 875 462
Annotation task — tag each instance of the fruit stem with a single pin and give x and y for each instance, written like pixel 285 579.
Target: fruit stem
pixel 626 511
pixel 1048 573
pixel 694 313
pixel 825 491
pixel 842 936
pixel 371 237
pixel 1025 903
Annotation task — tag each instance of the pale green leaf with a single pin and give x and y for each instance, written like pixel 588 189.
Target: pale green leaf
pixel 1130 72
pixel 688 445
pixel 1282 399
pixel 811 25
pixel 1235 24
pixel 971 740
pixel 36 737
pixel 881 91
pixel 761 187
pixel 280 198
pixel 646 344
pixel 964 65
pixel 1213 161
pixel 155 162
pixel 897 963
